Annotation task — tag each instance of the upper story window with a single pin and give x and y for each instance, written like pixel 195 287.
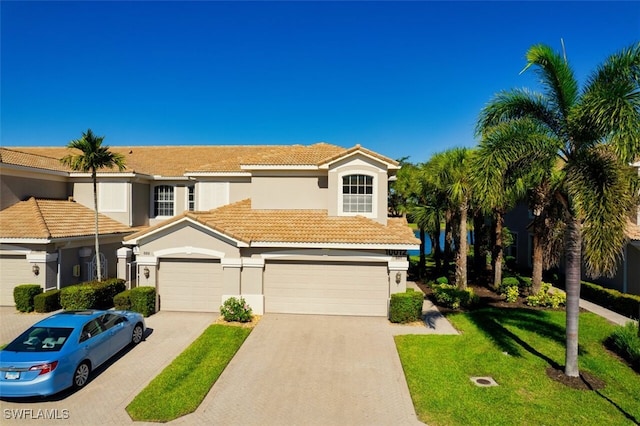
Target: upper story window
pixel 163 200
pixel 357 194
pixel 191 198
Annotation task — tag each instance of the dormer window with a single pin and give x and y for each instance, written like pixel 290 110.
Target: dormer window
pixel 163 200
pixel 357 194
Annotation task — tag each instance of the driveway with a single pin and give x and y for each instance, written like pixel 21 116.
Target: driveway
pixel 105 397
pixel 312 370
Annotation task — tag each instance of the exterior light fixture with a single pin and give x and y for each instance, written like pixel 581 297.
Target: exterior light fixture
pixel 145 271
pixel 398 277
pixel 35 269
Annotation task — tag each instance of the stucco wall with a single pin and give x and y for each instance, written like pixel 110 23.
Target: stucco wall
pixel 22 186
pixel 293 191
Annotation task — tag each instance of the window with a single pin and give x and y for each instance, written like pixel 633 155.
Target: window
pixel 357 194
pixel 191 198
pixel 163 200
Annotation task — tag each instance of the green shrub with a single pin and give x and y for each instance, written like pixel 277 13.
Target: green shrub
pixel 547 297
pixel 92 294
pixel 406 307
pixel 625 341
pixel 442 280
pixel 622 303
pixel 143 300
pixel 234 309
pixel 507 283
pixel 452 297
pixel 23 296
pixel 122 301
pixel 77 297
pixel 511 294
pixel 47 302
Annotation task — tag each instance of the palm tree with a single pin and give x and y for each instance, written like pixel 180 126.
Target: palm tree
pixel 451 174
pixel 94 156
pixel 597 132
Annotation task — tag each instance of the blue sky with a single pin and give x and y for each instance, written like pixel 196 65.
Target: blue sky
pixel 401 78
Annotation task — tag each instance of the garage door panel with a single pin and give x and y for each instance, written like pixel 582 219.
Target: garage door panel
pixel 326 288
pixel 190 285
pixel 15 270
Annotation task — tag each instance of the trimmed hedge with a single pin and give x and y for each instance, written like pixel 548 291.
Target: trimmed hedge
pixel 91 295
pixel 143 300
pixel 47 302
pixel 23 295
pixel 138 299
pixel 406 307
pixel 622 303
pixel 122 301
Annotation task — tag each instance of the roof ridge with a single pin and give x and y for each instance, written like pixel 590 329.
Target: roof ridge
pixel 2 148
pixel 39 217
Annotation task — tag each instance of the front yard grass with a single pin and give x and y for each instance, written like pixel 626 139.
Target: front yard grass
pixel 180 388
pixel 515 347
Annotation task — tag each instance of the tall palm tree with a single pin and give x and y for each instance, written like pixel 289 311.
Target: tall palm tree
pixel 93 157
pixel 597 130
pixel 451 174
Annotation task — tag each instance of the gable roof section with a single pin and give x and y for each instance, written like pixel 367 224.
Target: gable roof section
pixel 54 219
pixel 308 228
pixel 391 164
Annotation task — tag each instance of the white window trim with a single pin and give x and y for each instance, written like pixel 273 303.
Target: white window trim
pixel 374 196
pixel 186 198
pixel 153 202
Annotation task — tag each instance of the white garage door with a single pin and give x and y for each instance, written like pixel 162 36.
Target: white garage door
pixel 332 288
pixel 14 270
pixel 193 285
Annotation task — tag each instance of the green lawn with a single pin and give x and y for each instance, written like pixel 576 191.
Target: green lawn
pixel 515 346
pixel 182 386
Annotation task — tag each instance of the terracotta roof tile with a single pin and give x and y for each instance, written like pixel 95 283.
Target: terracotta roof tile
pixel 240 222
pixel 49 219
pixel 178 160
pixel 38 161
pixel 633 231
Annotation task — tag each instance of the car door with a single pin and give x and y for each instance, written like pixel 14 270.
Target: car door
pixel 116 328
pixel 95 343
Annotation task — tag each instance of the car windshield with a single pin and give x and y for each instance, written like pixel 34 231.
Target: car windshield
pixel 40 339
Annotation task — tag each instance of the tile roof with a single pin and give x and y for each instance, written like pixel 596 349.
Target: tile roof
pixel 242 223
pixel 38 161
pixel 633 231
pixel 50 219
pixel 178 160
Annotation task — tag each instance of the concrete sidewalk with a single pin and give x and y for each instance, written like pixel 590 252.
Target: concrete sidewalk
pixel 613 317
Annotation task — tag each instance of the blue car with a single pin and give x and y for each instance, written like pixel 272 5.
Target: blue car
pixel 61 350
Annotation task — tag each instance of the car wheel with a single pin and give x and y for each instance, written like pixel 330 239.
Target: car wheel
pixel 136 336
pixel 81 375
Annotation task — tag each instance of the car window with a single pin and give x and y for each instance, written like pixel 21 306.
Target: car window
pixel 111 320
pixel 91 329
pixel 40 339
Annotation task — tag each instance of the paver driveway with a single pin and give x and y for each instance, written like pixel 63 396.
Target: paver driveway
pixel 311 370
pixel 104 399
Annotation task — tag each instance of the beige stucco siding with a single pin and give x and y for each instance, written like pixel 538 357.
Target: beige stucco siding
pixel 140 204
pixel 183 238
pixel 331 288
pixel 20 186
pixel 359 165
pixel 294 191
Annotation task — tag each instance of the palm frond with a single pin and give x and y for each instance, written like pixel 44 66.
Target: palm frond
pixel 600 189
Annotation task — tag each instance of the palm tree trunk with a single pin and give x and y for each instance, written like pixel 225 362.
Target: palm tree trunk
pixel 421 267
pixel 448 242
pixel 536 275
pixel 498 250
pixel 478 256
pixel 95 207
pixel 573 252
pixel 461 259
pixel 437 250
